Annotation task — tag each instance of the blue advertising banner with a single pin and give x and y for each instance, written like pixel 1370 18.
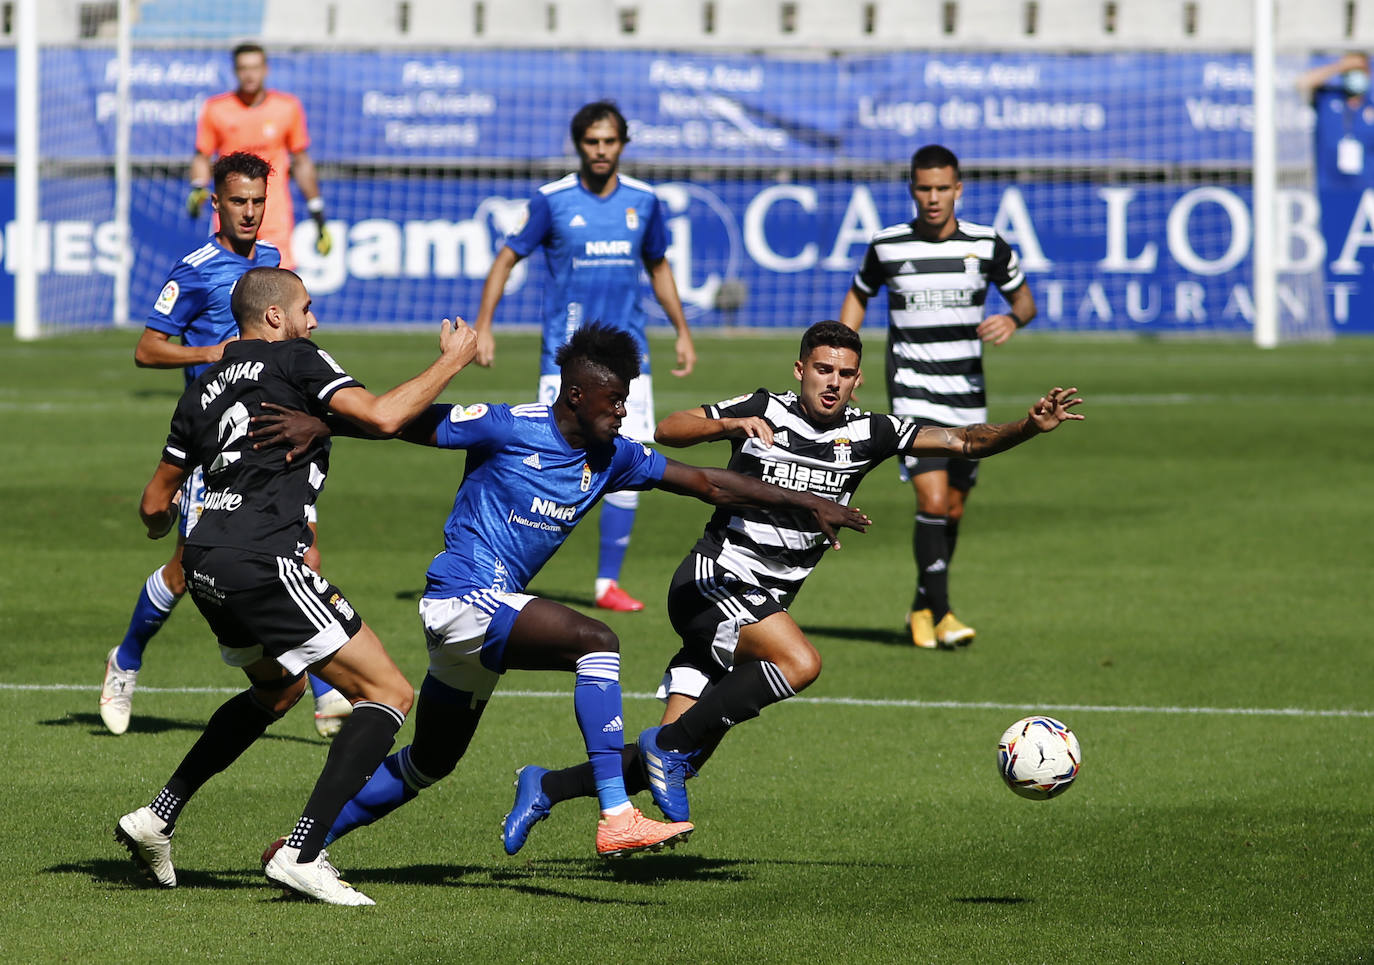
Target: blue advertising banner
pixel 409 106
pixel 1100 257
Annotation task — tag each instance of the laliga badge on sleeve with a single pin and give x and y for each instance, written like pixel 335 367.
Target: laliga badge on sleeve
pixel 1349 156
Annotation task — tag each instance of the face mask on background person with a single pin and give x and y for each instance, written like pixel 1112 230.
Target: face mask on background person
pixel 1355 82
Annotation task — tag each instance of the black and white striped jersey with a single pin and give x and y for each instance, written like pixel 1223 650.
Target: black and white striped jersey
pixel 935 296
pixel 777 550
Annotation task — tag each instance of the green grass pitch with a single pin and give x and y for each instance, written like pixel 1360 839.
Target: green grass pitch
pixel 1184 579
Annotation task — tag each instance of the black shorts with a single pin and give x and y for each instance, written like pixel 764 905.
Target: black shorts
pixel 708 606
pixel 268 606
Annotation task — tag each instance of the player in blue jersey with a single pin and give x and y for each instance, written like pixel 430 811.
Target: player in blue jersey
pixel 194 308
pixel 532 472
pixel 599 230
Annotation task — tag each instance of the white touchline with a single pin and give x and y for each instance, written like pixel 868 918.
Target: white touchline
pixel 854 702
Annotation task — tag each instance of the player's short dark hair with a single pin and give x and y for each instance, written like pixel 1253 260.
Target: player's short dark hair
pixel 248 48
pixel 600 346
pixel 933 156
pixel 832 334
pixel 257 290
pixel 250 166
pixel 589 114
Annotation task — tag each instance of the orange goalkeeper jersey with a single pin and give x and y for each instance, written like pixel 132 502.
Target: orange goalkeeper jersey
pixel 273 129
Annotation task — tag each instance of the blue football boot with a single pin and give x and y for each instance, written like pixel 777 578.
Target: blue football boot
pixel 667 772
pixel 531 806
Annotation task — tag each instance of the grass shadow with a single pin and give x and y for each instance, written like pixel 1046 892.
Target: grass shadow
pixel 114 871
pixel 888 638
pixel 152 724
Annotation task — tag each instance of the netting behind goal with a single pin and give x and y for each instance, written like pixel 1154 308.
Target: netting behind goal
pixel 1123 178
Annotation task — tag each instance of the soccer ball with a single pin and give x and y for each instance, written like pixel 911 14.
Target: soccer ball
pixel 1038 757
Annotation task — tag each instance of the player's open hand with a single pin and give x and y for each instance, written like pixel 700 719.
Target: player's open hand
pixel 1053 407
pixel 458 341
pixel 281 426
pixel 831 516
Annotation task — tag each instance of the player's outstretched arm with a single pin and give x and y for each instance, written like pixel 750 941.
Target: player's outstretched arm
pixel 721 487
pixel 492 290
pixel 980 441
pixel 691 426
pixel 158 508
pixel 387 414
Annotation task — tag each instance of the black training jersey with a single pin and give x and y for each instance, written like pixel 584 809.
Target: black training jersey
pixel 774 549
pixel 254 500
pixel 935 296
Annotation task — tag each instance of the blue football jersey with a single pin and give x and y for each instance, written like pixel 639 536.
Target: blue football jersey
pixel 1336 120
pixel 523 491
pixel 194 302
pixel 595 249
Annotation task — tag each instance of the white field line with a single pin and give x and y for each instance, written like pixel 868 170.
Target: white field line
pixel 844 702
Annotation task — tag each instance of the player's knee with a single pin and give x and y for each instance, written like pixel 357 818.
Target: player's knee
pixel 278 696
pixel 933 506
pixel 398 694
pixel 593 636
pixel 801 668
pixel 956 513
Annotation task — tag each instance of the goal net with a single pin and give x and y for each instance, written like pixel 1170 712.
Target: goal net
pixel 1123 178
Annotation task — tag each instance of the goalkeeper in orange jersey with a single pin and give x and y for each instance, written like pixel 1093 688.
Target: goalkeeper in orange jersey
pixel 270 124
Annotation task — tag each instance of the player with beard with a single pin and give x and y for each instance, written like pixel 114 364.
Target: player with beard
pixel 275 618
pixel 598 229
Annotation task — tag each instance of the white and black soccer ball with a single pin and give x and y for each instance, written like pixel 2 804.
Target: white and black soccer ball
pixel 1038 757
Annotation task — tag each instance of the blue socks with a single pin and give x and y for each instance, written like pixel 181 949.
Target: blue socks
pixel 596 699
pixel 616 523
pixel 154 606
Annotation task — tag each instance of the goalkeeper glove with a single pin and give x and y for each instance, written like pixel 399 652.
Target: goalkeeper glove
pixel 324 242
pixel 196 199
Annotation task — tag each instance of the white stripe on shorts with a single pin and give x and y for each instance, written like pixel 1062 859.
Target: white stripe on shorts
pixel 294 581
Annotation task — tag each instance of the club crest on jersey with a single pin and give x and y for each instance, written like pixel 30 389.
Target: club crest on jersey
pixel 631 219
pixel 972 266
pixel 844 449
pixel 167 299
pixel 586 476
pixel 467 412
